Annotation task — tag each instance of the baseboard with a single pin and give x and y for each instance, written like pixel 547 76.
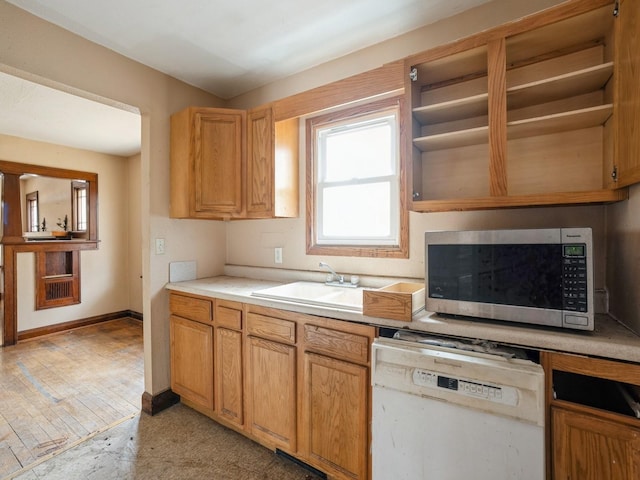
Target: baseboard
pixel 83 322
pixel 153 404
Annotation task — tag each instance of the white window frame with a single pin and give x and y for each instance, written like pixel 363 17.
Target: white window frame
pixel 395 244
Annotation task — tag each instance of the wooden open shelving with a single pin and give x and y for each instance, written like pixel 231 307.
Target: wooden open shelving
pixel 490 111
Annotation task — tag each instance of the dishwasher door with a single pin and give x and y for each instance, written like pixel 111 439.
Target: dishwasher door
pixel 443 414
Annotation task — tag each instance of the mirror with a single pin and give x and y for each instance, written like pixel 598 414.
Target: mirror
pixel 53 207
pixel 45 203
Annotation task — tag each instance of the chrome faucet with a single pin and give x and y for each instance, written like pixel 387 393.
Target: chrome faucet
pixel 335 275
pixel 334 278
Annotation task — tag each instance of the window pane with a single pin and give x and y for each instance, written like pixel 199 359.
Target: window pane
pixel 360 152
pixel 356 211
pixel 79 207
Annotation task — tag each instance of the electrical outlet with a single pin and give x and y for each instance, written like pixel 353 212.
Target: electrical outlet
pixel 159 246
pixel 277 255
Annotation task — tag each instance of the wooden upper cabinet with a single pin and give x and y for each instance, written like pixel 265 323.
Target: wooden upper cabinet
pixel 260 163
pixel 229 164
pixel 207 154
pixel 272 165
pixel 529 113
pixel 627 101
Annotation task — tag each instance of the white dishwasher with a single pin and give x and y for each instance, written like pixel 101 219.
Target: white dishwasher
pixel 442 413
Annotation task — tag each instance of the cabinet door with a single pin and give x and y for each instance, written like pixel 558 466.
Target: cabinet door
pixel 260 163
pixel 589 448
pixel 229 398
pixel 218 159
pixel 335 416
pixel 271 392
pixel 192 360
pixel 627 73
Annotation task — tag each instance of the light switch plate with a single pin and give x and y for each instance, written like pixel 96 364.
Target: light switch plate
pixel 277 255
pixel 159 246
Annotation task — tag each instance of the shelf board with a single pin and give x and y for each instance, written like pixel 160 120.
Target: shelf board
pixel 559 122
pixel 459 138
pixel 514 201
pixel 460 108
pixel 562 86
pixel 530 127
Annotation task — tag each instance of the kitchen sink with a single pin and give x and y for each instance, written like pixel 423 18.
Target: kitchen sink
pixel 313 293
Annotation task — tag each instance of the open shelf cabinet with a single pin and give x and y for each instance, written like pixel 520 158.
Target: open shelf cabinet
pixel 527 113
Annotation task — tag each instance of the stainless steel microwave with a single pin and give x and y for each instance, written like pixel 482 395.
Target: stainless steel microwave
pixel 536 276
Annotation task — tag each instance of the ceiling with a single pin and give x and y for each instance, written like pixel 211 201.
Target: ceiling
pixel 34 111
pixel 231 47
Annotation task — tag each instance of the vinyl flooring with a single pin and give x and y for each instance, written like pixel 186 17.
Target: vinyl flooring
pixel 59 389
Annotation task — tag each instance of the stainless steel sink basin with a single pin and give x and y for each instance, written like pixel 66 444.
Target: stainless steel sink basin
pixel 313 293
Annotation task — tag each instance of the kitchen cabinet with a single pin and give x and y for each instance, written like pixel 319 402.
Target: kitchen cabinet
pixel 233 164
pixel 540 111
pixel 229 372
pixel 593 432
pixel 272 165
pixel 271 379
pixel 191 345
pixel 295 382
pixel 577 438
pixel 336 401
pixel 207 155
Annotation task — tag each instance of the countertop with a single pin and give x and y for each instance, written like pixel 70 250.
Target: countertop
pixel 610 339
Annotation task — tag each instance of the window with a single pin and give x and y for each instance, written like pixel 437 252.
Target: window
pixel 79 206
pixel 355 182
pixel 33 216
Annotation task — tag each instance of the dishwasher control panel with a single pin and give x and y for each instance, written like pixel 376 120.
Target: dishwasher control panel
pixel 462 386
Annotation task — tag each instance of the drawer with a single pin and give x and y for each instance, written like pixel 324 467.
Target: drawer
pixel 228 315
pixel 341 345
pixel 271 328
pixel 197 309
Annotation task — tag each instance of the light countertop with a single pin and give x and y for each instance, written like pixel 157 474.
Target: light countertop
pixel 610 339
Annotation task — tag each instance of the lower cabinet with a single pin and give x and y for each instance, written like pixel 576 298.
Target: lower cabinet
pixel 271 392
pixel 192 360
pixel 295 382
pixel 228 378
pixel 335 415
pixel 229 375
pixel 590 448
pixel 593 433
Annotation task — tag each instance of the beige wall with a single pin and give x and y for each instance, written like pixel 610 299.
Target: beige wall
pixel 134 218
pixel 42 52
pixel 623 259
pixel 251 242
pixel 467 23
pixel 104 272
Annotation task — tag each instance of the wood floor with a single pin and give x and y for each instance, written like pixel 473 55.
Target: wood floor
pixel 59 389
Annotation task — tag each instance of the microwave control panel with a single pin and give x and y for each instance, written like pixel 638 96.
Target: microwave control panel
pixel 574 277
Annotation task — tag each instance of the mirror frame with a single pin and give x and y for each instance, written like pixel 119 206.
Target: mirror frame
pixel 12 216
